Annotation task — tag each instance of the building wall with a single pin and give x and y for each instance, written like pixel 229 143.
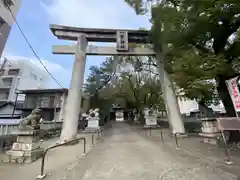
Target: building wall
pixel 60 115
pixel 30 76
pixel 187 105
pixel 7 19
pixel 47 100
pixel 4 33
pixel 57 116
pixel 4 95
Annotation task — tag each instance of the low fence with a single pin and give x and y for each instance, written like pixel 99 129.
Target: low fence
pixel 223 125
pixel 7 129
pixel 192 125
pixel 42 175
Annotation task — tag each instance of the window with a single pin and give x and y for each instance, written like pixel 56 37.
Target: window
pixel 2 71
pixel 7 81
pixel 4 95
pixel 13 72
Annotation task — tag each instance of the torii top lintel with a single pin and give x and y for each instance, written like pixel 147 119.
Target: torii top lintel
pixel 98 35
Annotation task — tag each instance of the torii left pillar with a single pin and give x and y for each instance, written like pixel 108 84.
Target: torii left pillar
pixel 73 105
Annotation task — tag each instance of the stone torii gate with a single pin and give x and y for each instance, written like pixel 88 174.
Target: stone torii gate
pixel 81 49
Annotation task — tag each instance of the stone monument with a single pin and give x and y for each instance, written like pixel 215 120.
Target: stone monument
pixel 27 148
pixel 150 117
pixel 93 120
pixel 210 131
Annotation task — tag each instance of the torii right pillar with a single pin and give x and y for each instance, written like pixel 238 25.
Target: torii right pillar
pixel 170 99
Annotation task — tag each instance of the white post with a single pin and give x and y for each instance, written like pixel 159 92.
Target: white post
pixel 73 105
pixel 170 99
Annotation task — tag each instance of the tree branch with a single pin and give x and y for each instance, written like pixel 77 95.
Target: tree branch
pixel 134 90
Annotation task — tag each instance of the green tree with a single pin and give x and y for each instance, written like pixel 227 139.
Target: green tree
pixel 97 81
pixel 124 84
pixel 204 33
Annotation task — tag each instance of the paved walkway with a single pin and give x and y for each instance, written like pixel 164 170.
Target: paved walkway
pixel 124 154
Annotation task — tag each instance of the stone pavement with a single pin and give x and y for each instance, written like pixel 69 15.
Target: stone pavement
pixel 124 154
pixel 194 146
pixel 57 160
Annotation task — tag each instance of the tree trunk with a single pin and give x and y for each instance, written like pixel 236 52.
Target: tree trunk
pixel 227 102
pixel 141 118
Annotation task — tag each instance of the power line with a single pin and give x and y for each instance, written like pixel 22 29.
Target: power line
pixel 34 52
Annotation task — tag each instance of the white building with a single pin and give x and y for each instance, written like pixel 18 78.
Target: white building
pixel 187 105
pixel 19 75
pixel 6 19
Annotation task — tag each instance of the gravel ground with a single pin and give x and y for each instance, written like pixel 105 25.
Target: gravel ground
pixel 193 146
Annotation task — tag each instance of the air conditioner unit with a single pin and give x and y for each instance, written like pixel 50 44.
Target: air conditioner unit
pixel 9 3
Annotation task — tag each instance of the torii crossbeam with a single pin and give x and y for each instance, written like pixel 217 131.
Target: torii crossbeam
pixel 122 38
pixel 103 51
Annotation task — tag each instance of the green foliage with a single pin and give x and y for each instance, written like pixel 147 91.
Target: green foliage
pixel 194 38
pixel 97 80
pixel 130 89
pixel 137 5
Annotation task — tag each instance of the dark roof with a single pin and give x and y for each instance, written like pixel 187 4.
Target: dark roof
pixel 4 89
pixel 99 35
pixel 38 91
pixel 3 104
pixel 55 27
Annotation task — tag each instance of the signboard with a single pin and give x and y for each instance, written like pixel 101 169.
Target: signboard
pixel 151 120
pixel 150 117
pixel 233 89
pixel 93 118
pixel 93 123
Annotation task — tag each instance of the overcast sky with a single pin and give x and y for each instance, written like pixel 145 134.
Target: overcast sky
pixel 35 16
